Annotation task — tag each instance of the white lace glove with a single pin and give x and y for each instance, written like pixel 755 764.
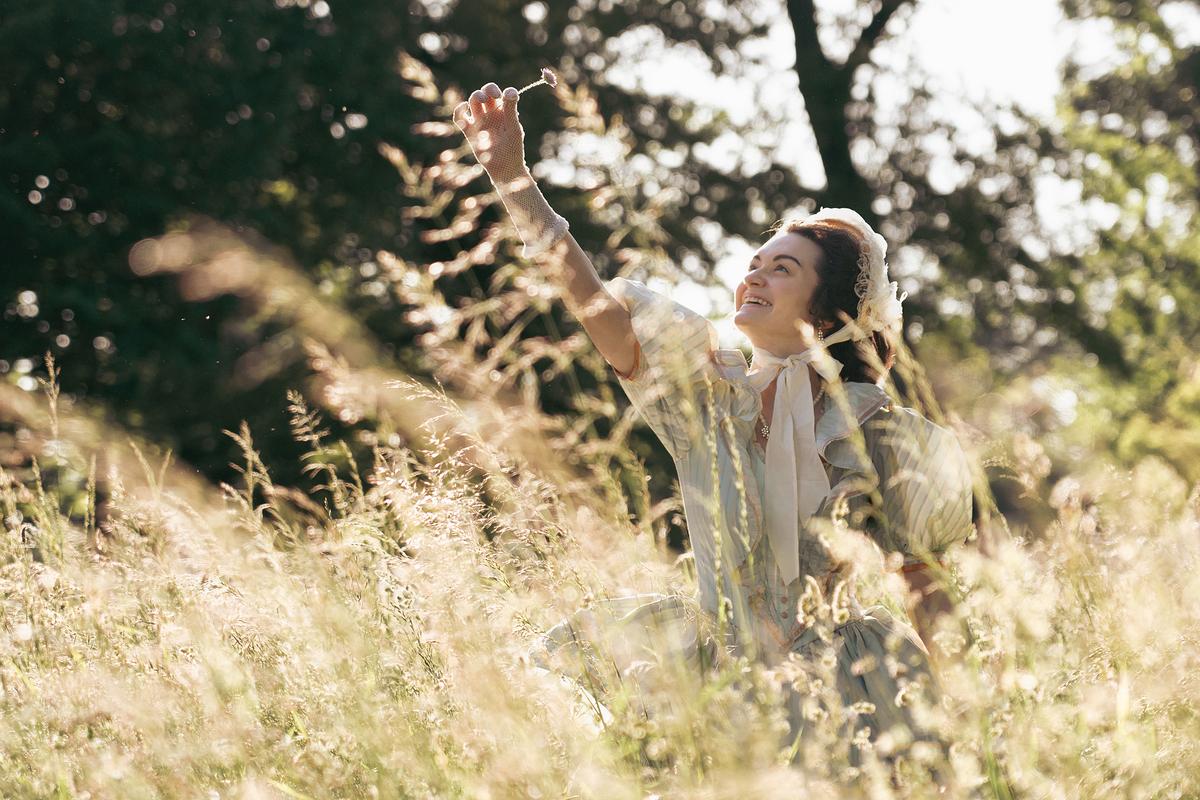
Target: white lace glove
pixel 498 141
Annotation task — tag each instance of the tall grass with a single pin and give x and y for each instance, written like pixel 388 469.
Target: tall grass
pixel 370 635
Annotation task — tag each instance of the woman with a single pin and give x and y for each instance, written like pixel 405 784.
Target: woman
pixel 775 457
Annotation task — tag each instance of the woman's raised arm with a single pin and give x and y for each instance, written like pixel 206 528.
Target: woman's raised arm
pixel 606 321
pixel 490 122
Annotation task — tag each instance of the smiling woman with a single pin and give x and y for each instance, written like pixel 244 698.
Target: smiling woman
pixel 759 489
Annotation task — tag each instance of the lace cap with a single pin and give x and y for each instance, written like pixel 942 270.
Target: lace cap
pixel 879 306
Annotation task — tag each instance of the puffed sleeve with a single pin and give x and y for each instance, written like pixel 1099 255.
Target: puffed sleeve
pixel 924 481
pixel 667 385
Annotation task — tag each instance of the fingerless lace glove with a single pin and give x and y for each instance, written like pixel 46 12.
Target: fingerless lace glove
pixel 494 132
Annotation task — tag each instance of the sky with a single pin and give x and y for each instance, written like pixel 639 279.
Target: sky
pixel 976 51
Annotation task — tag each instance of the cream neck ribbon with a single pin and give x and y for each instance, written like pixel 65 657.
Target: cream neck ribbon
pixel 796 483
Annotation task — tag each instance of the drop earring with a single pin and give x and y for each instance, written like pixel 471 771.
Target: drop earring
pixel 821 337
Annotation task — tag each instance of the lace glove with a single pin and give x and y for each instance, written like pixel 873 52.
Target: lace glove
pixel 498 141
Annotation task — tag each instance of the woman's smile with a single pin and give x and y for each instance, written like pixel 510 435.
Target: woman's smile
pixel 755 300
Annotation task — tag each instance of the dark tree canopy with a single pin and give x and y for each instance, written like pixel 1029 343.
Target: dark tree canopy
pixel 124 120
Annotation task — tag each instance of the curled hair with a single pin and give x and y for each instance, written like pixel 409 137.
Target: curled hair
pixel 835 299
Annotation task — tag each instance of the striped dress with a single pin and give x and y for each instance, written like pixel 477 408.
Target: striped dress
pixel 894 475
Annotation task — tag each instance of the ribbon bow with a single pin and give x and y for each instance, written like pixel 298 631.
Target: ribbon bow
pixel 796 483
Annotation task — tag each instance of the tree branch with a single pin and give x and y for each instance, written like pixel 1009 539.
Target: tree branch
pixel 872 33
pixel 803 16
pixel 825 87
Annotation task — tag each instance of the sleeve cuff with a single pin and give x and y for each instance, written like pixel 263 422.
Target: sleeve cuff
pixel 637 362
pixel 547 237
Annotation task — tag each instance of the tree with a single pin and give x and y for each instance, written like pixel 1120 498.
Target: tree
pixel 122 121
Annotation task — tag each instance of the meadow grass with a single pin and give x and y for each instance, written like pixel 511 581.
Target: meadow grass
pixel 370 636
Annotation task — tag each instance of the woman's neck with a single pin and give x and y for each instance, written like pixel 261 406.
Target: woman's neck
pixel 768 394
pixel 784 349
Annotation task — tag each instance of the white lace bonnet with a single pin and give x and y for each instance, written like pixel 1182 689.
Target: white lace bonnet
pixel 878 305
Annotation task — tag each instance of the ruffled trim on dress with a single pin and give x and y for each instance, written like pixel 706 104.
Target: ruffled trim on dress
pixel 927 505
pixel 837 423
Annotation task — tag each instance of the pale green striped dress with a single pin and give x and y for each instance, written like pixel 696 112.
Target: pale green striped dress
pixel 696 398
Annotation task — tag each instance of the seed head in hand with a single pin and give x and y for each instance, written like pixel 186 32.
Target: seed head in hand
pixel 489 121
pixel 548 78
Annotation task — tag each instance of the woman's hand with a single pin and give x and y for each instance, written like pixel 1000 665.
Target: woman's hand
pixel 489 121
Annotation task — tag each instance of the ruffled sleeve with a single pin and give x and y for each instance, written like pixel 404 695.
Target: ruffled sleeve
pixel 923 478
pixel 668 379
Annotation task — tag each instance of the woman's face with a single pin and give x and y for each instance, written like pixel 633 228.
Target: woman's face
pixel 771 302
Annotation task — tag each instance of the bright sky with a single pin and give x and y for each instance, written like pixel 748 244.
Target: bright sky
pixel 974 50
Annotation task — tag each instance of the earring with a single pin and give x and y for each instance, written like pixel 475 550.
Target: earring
pixel 820 337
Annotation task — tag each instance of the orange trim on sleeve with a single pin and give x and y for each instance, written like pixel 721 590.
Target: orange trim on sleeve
pixel 637 361
pixel 920 565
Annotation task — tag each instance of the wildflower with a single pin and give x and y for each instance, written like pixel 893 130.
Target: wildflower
pixel 548 78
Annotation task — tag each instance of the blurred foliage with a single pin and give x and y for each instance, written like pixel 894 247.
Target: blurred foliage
pixel 119 118
pixel 1134 140
pixel 323 129
pixel 124 120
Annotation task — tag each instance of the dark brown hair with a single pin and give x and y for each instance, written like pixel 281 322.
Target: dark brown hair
pixel 834 297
